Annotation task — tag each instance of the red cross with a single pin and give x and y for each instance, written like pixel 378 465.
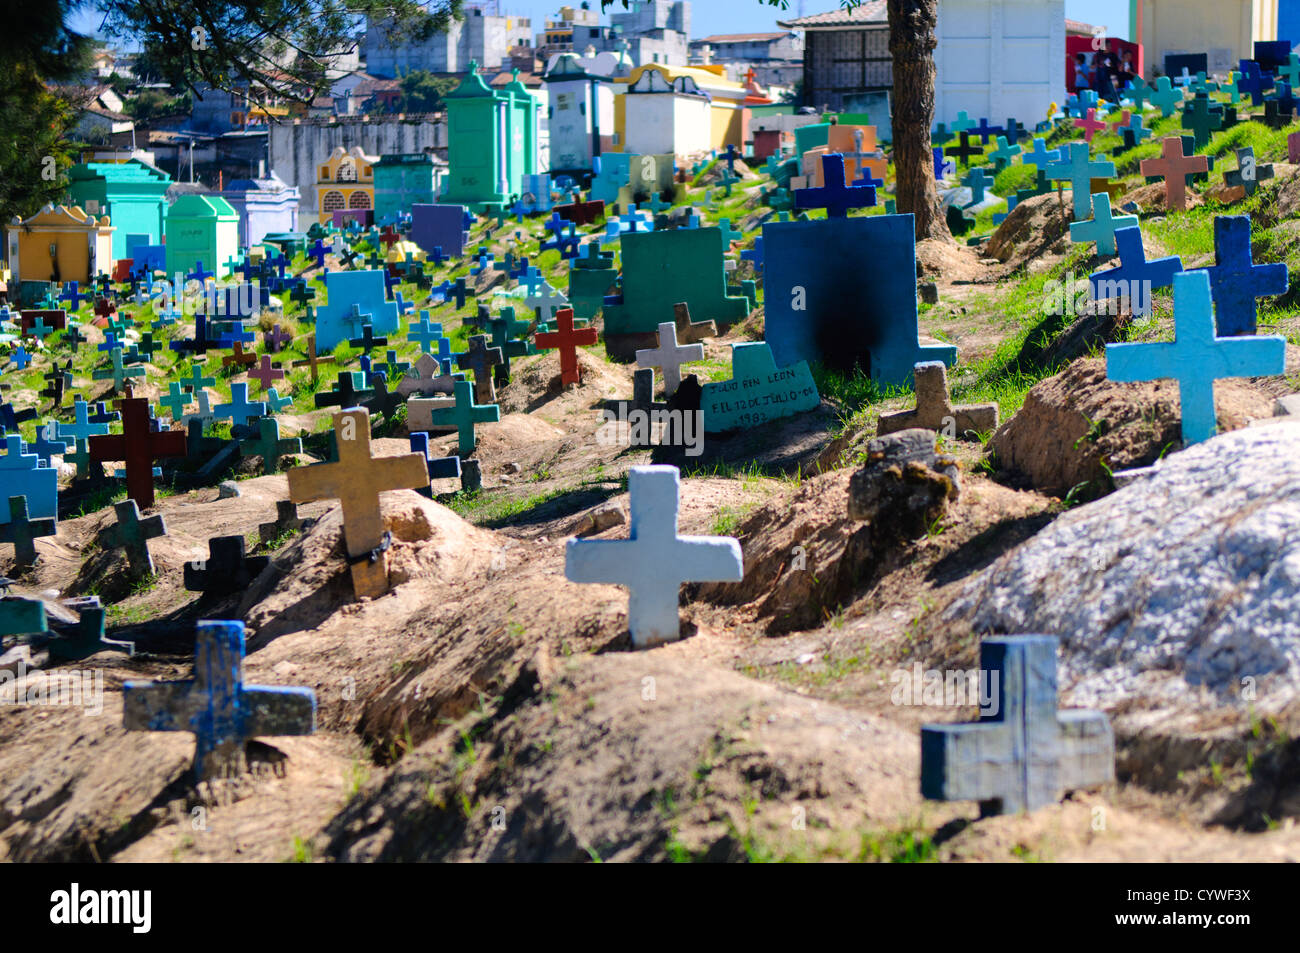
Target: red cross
pixel 1121 121
pixel 1172 165
pixel 138 446
pixel 388 236
pixel 567 340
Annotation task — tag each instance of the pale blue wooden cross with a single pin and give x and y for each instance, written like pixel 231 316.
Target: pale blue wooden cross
pixel 1196 357
pixel 1080 169
pixel 240 409
pixel 1102 226
pixel 653 561
pixel 1023 752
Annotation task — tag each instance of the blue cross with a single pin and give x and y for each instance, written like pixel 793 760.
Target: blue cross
pixel 274 402
pixel 1081 170
pixel 1102 226
pixel 240 409
pixel 834 196
pixel 82 428
pixel 72 295
pixel 984 130
pixel 425 332
pixel 44 447
pixel 21 358
pixel 1196 357
pixel 20 475
pixel 1253 81
pixel 199 274
pixel 216 705
pixel 1235 280
pixel 1135 277
pixel 754 254
pixel 1004 153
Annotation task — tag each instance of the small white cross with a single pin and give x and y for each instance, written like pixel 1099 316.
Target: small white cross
pixel 669 357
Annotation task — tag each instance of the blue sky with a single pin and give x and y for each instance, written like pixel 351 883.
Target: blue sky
pixel 751 16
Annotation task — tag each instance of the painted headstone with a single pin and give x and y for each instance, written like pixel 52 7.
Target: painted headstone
pixel 758 390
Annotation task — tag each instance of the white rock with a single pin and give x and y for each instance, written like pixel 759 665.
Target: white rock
pixel 1174 588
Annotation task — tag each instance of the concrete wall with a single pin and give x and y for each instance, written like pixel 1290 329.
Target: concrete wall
pixel 297 148
pixel 1223 29
pixel 484 39
pixel 999 59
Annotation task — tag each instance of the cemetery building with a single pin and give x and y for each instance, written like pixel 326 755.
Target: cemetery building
pixel 201 228
pixel 60 243
pixel 132 194
pixel 846 54
pixel 770 58
pixel 999 58
pixel 666 118
pixel 346 180
pixel 993 58
pixel 580 110
pixel 265 206
pixel 401 181
pixel 1224 30
pixel 726 124
pixel 481 37
pixel 651 31
pixel 492 142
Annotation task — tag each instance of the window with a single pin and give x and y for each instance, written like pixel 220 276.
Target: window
pixel 358 199
pixel 331 201
pixel 347 171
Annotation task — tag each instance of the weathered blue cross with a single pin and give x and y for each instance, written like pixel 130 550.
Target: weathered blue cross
pixel 1235 280
pixel 216 705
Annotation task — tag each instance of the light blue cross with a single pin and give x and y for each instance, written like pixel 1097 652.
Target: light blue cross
pixel 1196 358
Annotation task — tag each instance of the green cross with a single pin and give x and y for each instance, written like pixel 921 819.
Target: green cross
pixel 22 617
pixel 81 458
pixel 196 381
pixel 119 372
pixel 22 532
pixel 133 534
pixel 87 640
pixel 176 400
pixel 269 446
pixel 465 415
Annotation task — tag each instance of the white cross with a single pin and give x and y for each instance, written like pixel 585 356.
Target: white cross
pixel 203 414
pixel 653 561
pixel 546 303
pixel 669 356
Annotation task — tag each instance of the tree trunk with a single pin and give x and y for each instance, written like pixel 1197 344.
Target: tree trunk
pixel 911 44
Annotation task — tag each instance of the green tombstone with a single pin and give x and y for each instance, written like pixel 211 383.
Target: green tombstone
pixel 402 180
pixel 201 228
pixel 491 142
pixel 591 276
pixel 663 268
pixel 132 195
pixel 811 136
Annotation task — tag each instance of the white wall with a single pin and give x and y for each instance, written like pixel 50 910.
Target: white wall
pixel 999 59
pixel 659 123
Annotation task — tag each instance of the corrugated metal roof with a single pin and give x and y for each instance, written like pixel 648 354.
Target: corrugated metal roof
pixel 870 13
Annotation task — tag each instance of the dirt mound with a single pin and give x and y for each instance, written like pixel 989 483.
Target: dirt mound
pixel 310 580
pixel 950 261
pixel 1151 197
pixel 1037 227
pixel 535 384
pixel 1077 426
pixel 1055 342
pixel 637 757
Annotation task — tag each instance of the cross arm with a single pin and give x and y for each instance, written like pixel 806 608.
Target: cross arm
pixel 156 706
pixel 272 710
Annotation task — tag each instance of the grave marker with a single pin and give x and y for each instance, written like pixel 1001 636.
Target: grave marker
pixel 1196 357
pixel 1026 753
pixel 268 445
pixel 356 480
pixel 668 356
pixel 1172 165
pixel 935 410
pixel 568 340
pixel 653 561
pixel 138 446
pixel 226 570
pixel 758 390
pixel 216 705
pixel 133 534
pixel 22 532
pixel 462 414
pixel 1235 280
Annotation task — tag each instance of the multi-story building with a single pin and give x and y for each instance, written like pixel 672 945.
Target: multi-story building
pixel 650 31
pixel 557 36
pixel 480 36
pixel 776 59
